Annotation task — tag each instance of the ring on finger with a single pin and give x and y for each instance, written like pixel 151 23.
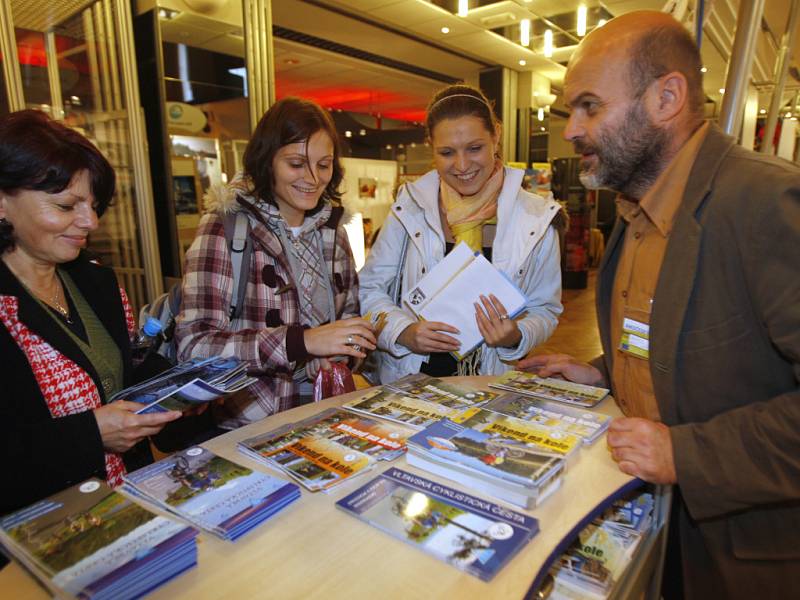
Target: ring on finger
pixel 503 317
pixel 350 340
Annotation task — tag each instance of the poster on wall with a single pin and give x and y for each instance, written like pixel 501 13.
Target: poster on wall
pixel 367 187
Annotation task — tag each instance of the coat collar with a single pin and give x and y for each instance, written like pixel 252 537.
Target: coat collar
pixel 109 311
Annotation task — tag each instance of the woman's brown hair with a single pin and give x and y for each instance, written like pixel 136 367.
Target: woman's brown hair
pixel 460 100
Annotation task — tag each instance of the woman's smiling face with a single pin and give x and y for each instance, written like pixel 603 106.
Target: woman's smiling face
pixel 464 153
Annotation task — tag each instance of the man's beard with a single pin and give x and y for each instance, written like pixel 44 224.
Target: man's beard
pixel 628 158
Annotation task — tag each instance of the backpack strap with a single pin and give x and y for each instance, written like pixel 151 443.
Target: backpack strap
pixel 237 233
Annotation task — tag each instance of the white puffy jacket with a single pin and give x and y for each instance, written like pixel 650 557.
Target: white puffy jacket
pixel 525 248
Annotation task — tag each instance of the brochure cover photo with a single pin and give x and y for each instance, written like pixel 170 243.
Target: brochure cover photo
pixel 549 388
pixel 89 541
pixel 431 389
pixel 475 535
pixel 400 408
pixel 218 495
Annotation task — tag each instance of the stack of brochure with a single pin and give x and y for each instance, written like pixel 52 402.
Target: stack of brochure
pixel 500 467
pixel 548 388
pixel 570 419
pixel 188 384
pixel 90 542
pixel 538 437
pixel 328 448
pixel 476 536
pixel 418 400
pixel 603 550
pixel 213 493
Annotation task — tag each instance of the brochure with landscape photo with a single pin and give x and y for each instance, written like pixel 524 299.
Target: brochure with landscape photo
pixel 431 389
pixel 220 496
pixel 571 419
pixel 471 533
pixel 400 408
pixel 92 542
pixel 374 437
pixel 548 388
pixel 188 384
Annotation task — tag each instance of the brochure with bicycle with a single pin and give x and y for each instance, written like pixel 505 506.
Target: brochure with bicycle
pixel 219 496
pixel 473 534
pixel 549 388
pixel 188 384
pixel 449 291
pixel 91 542
pixel 397 407
pixel 431 389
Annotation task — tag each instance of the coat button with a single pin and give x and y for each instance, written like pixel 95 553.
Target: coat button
pixel 520 271
pixel 624 293
pixel 398 208
pixel 637 235
pixel 423 270
pixel 533 232
pixel 416 235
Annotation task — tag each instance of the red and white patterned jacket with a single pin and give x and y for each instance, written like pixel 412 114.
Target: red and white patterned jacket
pixel 268 334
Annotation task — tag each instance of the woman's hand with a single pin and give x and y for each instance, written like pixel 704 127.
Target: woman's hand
pixel 426 337
pixel 121 429
pixel 348 336
pixel 493 323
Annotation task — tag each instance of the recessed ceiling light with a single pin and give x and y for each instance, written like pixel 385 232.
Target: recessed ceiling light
pixel 348 134
pixel 542 128
pixel 291 61
pixel 787 115
pixel 704 69
pixel 601 22
pixel 762 111
pixel 463 8
pixel 548 43
pixel 525 32
pixel 522 63
pixel 721 90
pixel 581 20
pixel 445 30
pixel 362 132
pixel 388 146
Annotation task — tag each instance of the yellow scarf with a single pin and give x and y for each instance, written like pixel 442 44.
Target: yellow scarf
pixel 467 215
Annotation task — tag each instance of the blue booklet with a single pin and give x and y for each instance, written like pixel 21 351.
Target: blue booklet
pixel 211 492
pixel 90 542
pixel 473 534
pixel 188 384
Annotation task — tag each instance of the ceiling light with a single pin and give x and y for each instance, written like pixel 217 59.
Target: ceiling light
pixel 362 132
pixel 291 61
pixel 463 8
pixel 762 111
pixel 542 129
pixel 787 115
pixel 548 43
pixel 721 90
pixel 793 119
pixel 167 14
pixel 582 20
pixel 400 146
pixel 601 22
pixel 348 134
pixel 704 69
pixel 525 32
pixel 540 114
pixel 445 30
pixel 522 63
pixel 388 146
pixel 413 144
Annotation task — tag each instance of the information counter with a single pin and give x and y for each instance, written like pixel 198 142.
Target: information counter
pixel 314 550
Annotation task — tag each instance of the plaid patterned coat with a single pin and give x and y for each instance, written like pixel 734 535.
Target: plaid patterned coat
pixel 268 334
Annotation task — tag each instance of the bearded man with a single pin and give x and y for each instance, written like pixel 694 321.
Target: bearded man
pixel 698 304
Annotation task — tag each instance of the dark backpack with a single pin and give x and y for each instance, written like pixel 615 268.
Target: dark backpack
pixel 166 306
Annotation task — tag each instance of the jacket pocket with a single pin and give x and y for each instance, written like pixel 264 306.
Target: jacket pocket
pixel 766 533
pixel 714 336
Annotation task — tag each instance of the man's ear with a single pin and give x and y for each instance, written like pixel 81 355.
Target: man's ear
pixel 668 98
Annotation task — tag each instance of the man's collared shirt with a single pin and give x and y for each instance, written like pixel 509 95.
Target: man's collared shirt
pixel 649 224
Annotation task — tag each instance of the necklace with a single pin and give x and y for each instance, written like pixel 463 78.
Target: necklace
pixel 60 308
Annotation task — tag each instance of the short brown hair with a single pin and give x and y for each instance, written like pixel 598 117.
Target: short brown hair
pixel 289 121
pixel 663 50
pixel 460 100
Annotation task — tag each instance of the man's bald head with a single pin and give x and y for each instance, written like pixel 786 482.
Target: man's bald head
pixel 653 44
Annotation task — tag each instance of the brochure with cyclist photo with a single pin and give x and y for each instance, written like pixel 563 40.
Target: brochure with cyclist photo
pixel 400 408
pixel 470 533
pixel 440 391
pixel 549 388
pixel 219 496
pixel 449 291
pixel 188 384
pixel 89 541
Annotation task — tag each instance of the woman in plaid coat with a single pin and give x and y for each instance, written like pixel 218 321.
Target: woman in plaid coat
pixel 301 302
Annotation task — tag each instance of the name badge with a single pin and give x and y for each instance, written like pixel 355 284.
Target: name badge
pixel 635 338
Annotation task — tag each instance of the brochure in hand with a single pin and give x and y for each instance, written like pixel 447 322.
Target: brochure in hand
pixel 449 291
pixel 501 467
pixel 473 534
pixel 188 384
pixel 397 407
pixel 91 542
pixel 211 492
pixel 545 439
pixel 431 389
pixel 586 424
pixel 548 388
pixel 376 438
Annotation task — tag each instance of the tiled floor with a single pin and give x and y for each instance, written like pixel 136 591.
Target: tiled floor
pixel 576 333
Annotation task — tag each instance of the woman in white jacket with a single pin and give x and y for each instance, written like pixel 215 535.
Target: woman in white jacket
pixel 469 197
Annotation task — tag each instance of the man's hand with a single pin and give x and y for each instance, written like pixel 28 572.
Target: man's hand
pixel 564 365
pixel 642 448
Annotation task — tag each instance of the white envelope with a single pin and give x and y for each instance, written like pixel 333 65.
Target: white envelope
pixel 450 290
